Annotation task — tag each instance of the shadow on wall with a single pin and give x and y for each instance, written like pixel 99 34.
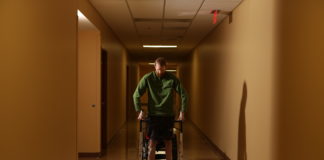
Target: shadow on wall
pixel 241 153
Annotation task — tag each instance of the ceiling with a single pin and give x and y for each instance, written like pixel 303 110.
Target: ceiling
pixel 181 22
pixel 84 23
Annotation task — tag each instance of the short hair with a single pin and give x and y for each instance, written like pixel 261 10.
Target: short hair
pixel 161 61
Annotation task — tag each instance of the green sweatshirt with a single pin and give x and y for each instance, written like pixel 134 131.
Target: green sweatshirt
pixel 160 95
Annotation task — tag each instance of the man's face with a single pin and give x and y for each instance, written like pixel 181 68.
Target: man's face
pixel 160 70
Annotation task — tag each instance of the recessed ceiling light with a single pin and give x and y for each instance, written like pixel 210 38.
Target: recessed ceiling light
pixel 160 46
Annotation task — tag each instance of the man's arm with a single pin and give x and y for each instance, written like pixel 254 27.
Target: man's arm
pixel 184 98
pixel 140 90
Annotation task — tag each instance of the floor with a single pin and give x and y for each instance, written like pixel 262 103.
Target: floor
pixel 124 145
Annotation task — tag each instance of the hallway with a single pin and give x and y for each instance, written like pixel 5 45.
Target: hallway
pixel 252 71
pixel 124 145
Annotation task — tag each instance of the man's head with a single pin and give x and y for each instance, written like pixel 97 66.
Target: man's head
pixel 160 66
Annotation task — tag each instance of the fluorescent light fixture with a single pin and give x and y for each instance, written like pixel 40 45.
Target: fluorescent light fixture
pixel 171 70
pixel 81 15
pixel 151 64
pixel 160 46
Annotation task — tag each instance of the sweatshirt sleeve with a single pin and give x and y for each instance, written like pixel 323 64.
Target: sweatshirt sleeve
pixel 183 94
pixel 140 90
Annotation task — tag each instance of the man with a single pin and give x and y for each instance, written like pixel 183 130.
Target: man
pixel 160 85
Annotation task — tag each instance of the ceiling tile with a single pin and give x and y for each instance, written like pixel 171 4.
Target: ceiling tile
pixel 173 32
pixel 199 29
pixel 160 40
pixel 226 5
pixel 122 24
pixel 170 42
pixel 202 24
pixel 149 28
pixel 181 8
pixel 151 40
pixel 176 24
pixel 146 8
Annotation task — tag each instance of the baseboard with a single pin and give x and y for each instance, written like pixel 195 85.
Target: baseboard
pixel 92 154
pixel 214 146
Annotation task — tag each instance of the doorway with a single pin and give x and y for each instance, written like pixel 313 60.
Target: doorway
pixel 104 88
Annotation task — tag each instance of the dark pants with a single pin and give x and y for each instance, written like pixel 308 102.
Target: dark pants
pixel 160 128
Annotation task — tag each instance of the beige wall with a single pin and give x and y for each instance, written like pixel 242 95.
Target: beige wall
pixel 117 63
pixel 300 107
pixel 185 71
pixel 89 91
pixel 38 69
pixel 38 46
pixel 132 83
pixel 233 83
pixel 263 77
